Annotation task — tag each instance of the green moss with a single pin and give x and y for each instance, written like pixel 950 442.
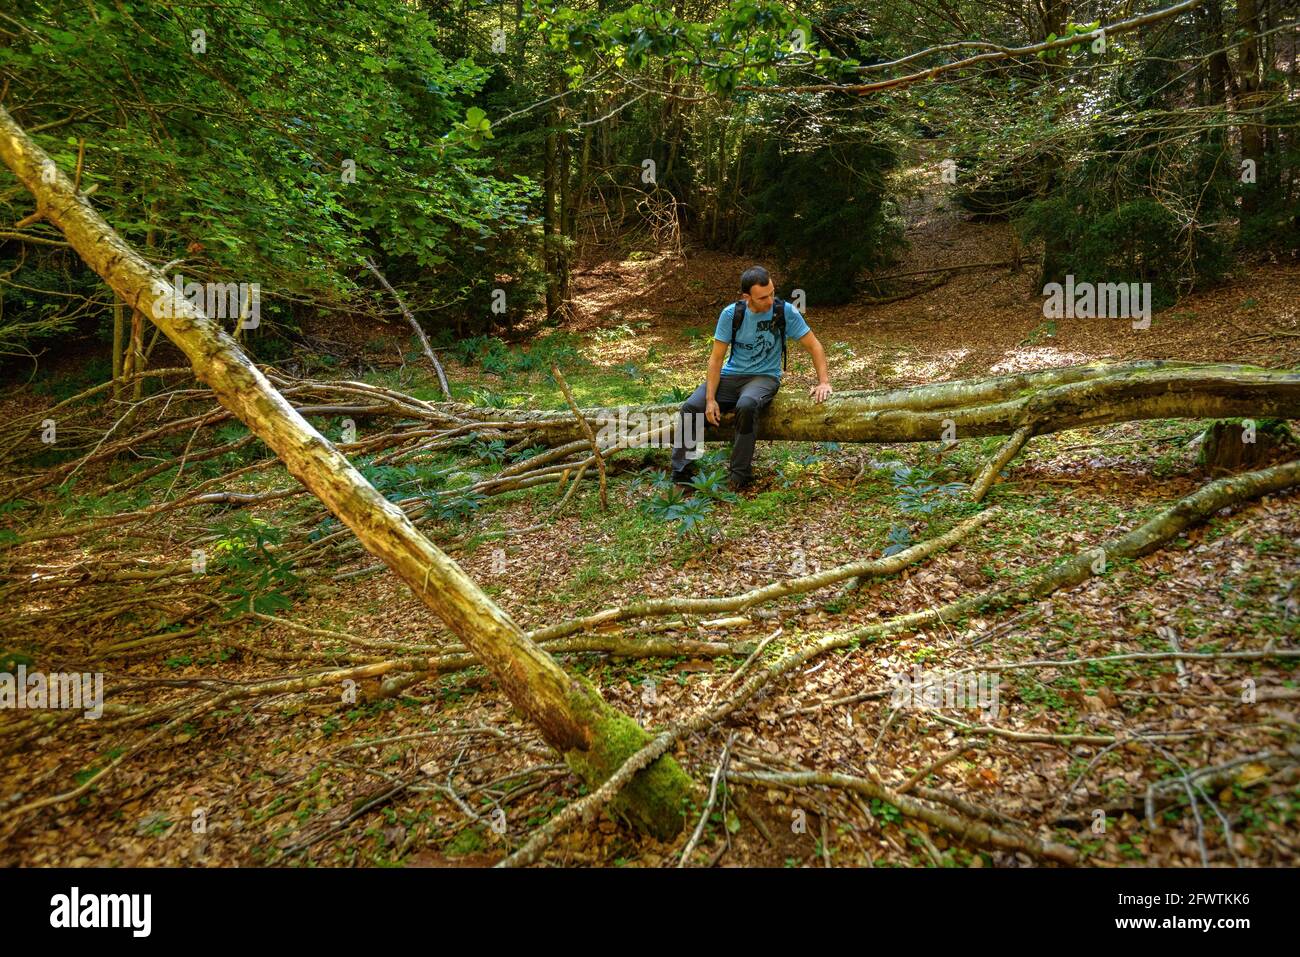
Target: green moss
pixel 655 800
pixel 468 841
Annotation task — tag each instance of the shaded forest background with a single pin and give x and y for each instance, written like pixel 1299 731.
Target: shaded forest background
pixel 477 151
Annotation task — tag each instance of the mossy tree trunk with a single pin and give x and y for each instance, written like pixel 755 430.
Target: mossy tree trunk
pixel 570 713
pixel 1052 400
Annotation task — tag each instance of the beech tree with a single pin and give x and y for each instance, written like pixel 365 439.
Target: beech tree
pixel 594 738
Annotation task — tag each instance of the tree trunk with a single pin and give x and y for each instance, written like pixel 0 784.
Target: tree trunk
pixel 721 181
pixel 1072 397
pixel 1055 15
pixel 1220 69
pixel 594 738
pixel 521 49
pixel 550 229
pixel 137 354
pixel 119 333
pixel 1248 104
pixel 563 218
pixel 580 189
pixel 734 205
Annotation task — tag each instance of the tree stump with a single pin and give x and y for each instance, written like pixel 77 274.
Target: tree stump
pixel 1238 444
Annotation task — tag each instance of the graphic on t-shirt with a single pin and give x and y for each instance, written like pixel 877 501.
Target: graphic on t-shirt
pixel 756 353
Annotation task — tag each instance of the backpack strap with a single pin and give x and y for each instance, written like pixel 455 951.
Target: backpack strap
pixel 737 319
pixel 778 326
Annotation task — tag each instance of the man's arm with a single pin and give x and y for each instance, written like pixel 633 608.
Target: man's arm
pixel 712 413
pixel 822 390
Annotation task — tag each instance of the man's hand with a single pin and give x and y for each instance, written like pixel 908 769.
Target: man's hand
pixel 818 393
pixel 712 413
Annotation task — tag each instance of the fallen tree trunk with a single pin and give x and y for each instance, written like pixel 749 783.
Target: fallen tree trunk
pixel 1041 402
pixel 594 738
pixel 1021 406
pixel 976 832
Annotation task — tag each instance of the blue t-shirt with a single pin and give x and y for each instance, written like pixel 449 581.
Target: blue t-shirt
pixel 756 351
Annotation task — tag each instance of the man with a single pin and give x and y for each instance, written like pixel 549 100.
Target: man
pixel 748 380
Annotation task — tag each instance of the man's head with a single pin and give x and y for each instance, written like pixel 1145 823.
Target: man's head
pixel 757 289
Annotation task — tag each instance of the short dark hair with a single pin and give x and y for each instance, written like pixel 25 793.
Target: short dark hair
pixel 753 276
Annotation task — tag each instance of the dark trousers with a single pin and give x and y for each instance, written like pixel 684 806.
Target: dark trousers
pixel 747 394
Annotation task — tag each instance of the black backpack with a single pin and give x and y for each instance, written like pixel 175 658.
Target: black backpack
pixel 778 324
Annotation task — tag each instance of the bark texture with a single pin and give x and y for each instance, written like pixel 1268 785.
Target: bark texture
pixel 1051 400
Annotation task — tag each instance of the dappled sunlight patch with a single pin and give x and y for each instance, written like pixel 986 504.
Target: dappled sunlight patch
pixel 1039 357
pixel 848 361
pixel 930 368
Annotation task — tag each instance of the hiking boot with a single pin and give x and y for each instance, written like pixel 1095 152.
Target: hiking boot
pixel 684 477
pixel 735 484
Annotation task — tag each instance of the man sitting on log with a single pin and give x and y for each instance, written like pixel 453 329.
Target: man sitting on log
pixel 755 328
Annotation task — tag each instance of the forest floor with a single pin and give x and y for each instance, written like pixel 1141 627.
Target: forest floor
pixel 417 779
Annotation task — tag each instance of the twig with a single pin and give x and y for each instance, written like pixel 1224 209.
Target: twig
pixel 718 772
pixel 586 430
pixel 988 475
pixel 936 764
pixel 748 661
pixel 419 332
